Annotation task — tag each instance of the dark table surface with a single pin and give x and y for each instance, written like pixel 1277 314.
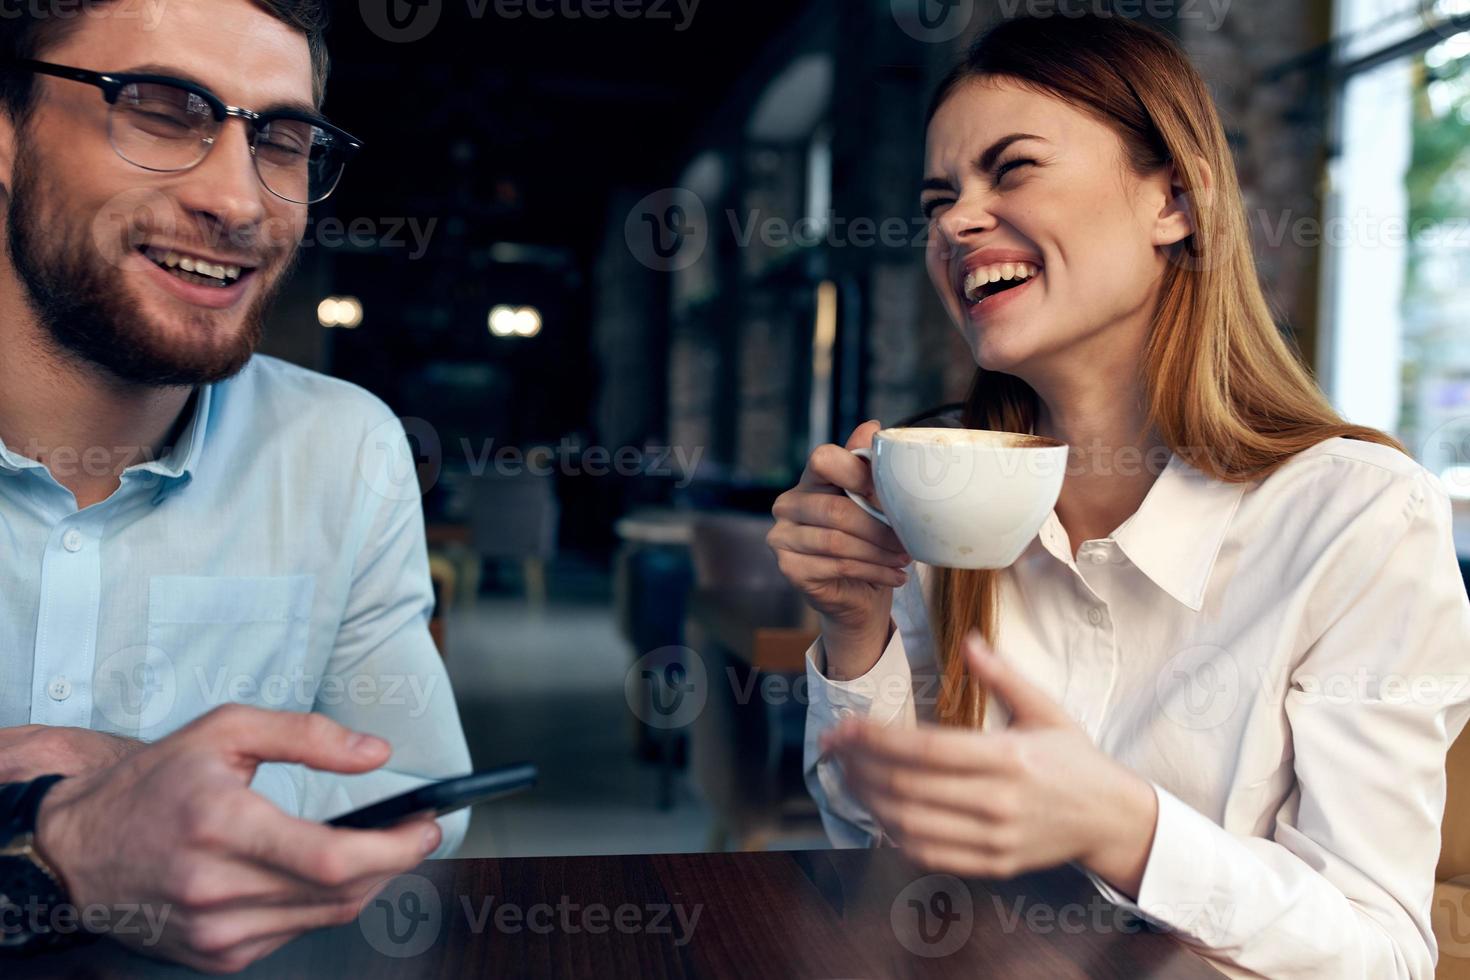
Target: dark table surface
pixel 773 914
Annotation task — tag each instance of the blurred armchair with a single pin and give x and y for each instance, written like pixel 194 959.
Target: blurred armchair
pixel 1450 910
pixel 514 518
pixel 745 748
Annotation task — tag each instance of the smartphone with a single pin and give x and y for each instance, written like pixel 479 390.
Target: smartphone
pixel 441 797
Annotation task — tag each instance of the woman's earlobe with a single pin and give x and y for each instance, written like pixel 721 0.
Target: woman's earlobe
pixel 1178 220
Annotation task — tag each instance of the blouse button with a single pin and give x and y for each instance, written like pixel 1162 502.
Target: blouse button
pixel 1094 616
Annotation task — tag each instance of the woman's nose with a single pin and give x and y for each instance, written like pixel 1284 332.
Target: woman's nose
pixel 964 219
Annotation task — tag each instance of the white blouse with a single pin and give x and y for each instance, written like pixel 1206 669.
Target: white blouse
pixel 1286 661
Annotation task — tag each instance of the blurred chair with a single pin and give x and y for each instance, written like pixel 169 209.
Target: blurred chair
pixel 454 543
pixel 730 553
pixel 442 577
pixel 514 518
pixel 745 748
pixel 651 582
pixel 1450 910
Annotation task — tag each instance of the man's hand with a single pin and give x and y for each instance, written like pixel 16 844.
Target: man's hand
pixel 175 827
pixel 30 751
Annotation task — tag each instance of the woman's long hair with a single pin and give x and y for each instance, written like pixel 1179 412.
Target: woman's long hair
pixel 1223 388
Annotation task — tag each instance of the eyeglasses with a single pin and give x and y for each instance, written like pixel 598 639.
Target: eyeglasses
pixel 169 125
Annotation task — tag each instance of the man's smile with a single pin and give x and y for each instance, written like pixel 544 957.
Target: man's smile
pixel 194 278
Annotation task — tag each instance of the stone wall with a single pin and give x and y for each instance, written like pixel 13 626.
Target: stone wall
pixel 912 358
pixel 1275 121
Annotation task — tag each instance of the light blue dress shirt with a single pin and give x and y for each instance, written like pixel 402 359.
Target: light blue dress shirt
pixel 275 557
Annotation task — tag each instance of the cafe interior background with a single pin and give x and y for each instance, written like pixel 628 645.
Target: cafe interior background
pixel 619 267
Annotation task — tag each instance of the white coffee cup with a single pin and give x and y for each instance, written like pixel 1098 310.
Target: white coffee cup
pixel 964 498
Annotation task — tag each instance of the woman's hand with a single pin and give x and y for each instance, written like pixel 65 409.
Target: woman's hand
pixel 844 561
pixel 996 804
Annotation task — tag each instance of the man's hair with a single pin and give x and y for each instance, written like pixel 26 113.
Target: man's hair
pixel 30 31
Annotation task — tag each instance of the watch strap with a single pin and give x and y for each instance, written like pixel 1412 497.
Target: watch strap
pixel 24 875
pixel 19 804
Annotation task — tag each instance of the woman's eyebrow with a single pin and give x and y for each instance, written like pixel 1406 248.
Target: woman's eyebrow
pixel 984 163
pixel 987 159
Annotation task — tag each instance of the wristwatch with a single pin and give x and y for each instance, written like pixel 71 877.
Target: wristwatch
pixel 31 893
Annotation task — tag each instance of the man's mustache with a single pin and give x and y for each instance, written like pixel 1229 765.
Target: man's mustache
pixel 225 248
pixel 256 245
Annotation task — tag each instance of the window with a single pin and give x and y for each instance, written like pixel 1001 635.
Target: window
pixel 1397 226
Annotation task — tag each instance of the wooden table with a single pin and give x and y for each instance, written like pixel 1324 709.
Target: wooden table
pixel 769 629
pixel 753 915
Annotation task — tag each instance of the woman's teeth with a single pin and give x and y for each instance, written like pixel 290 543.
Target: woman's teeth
pixel 976 280
pixel 205 272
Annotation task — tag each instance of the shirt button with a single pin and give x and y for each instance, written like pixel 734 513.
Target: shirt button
pixel 1096 557
pixel 1094 616
pixel 59 689
pixel 845 712
pixel 72 540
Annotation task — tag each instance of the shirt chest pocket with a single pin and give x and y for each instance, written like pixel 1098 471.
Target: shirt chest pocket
pixel 232 638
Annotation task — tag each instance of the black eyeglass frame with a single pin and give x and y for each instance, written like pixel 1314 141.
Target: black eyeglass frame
pixel 112 84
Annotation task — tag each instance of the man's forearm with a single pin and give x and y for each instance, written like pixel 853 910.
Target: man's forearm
pixel 31 751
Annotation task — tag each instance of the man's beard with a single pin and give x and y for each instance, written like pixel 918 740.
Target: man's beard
pixel 78 297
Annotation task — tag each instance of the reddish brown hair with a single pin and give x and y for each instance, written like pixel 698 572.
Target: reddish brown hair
pixel 1226 391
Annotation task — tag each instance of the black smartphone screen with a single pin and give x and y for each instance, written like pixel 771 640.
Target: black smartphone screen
pixel 441 797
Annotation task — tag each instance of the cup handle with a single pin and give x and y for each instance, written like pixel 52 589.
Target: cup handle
pixel 866 454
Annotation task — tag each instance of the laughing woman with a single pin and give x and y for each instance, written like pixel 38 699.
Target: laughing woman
pixel 1222 679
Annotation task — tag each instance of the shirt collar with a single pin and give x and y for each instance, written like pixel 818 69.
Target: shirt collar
pixel 1175 535
pixel 175 468
pixel 178 464
pixel 14 462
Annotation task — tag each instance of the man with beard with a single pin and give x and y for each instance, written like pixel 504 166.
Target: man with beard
pixel 214 593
